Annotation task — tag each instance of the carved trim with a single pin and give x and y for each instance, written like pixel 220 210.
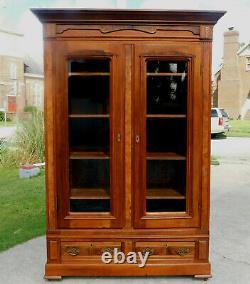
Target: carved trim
pixel 110 250
pixel 183 251
pixel 149 250
pixel 206 32
pixel 106 29
pixel 73 251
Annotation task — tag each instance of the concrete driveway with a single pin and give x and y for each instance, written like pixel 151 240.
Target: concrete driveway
pixel 230 230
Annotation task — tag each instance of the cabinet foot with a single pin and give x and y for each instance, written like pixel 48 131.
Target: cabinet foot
pixel 204 277
pixel 53 277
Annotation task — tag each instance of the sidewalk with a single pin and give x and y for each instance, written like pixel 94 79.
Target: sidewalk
pixel 6 132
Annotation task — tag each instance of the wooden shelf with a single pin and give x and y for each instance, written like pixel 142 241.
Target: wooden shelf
pixel 89 193
pixel 89 115
pixel 78 155
pixel 89 74
pixel 166 115
pixel 164 193
pixel 166 74
pixel 164 156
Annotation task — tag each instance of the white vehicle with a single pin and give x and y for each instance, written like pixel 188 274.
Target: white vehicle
pixel 219 121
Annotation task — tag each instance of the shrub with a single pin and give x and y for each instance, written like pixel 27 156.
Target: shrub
pixel 27 145
pixel 30 109
pixel 1 116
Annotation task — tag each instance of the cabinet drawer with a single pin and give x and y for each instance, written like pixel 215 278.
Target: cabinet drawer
pixel 79 250
pixel 167 249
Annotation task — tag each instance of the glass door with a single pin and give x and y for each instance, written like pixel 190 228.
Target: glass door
pixel 89 134
pixel 93 139
pixel 163 139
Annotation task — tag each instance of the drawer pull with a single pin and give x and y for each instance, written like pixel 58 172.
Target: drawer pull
pixel 150 250
pixel 73 250
pixel 183 251
pixel 110 250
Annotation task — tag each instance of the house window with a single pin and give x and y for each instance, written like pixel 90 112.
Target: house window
pixel 13 70
pixel 248 63
pixel 13 89
pixel 37 97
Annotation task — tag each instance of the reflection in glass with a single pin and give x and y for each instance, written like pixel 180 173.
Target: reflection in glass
pixel 89 134
pixel 166 94
pixel 166 87
pixel 88 94
pixel 166 125
pixel 93 205
pixel 90 173
pixel 166 135
pixel 166 205
pixel 166 185
pixel 89 131
pixel 165 66
pixel 89 65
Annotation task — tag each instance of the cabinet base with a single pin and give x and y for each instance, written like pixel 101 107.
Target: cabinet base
pixel 198 270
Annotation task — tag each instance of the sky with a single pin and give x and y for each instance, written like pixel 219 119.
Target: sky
pixel 15 16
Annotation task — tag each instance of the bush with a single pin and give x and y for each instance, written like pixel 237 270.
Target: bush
pixel 30 109
pixel 27 145
pixel 1 116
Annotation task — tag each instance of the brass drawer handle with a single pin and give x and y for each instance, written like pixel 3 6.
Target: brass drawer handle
pixel 150 250
pixel 119 137
pixel 73 250
pixel 183 251
pixel 110 250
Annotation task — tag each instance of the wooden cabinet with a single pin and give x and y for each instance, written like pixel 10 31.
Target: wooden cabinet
pixel 127 104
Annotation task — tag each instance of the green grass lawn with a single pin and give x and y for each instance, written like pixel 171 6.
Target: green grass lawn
pixel 22 207
pixel 240 128
pixel 8 123
pixel 214 161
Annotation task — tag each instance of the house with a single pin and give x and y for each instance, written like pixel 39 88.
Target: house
pixel 11 70
pixel 21 79
pixel 231 85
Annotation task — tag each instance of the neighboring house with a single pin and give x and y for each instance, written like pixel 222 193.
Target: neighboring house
pixel 231 86
pixel 11 70
pixel 19 86
pixel 34 90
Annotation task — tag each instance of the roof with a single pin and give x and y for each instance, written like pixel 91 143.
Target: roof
pixel 10 32
pixel 127 16
pixel 243 48
pixel 33 65
pixel 34 76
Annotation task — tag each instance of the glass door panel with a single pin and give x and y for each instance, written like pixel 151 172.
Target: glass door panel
pixel 166 127
pixel 166 87
pixel 165 106
pixel 89 134
pixel 89 118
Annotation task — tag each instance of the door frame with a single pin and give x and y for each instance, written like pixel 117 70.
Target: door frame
pixel 114 218
pixel 191 218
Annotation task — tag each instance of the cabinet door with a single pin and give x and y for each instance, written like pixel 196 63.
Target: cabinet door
pixel 89 146
pixel 167 134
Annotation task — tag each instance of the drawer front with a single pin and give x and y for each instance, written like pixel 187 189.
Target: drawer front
pixel 167 249
pixel 81 250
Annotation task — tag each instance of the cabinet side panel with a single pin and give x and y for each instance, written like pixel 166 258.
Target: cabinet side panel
pixel 206 133
pixel 49 70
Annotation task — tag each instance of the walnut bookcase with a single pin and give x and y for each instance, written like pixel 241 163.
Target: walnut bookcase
pixel 127 104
